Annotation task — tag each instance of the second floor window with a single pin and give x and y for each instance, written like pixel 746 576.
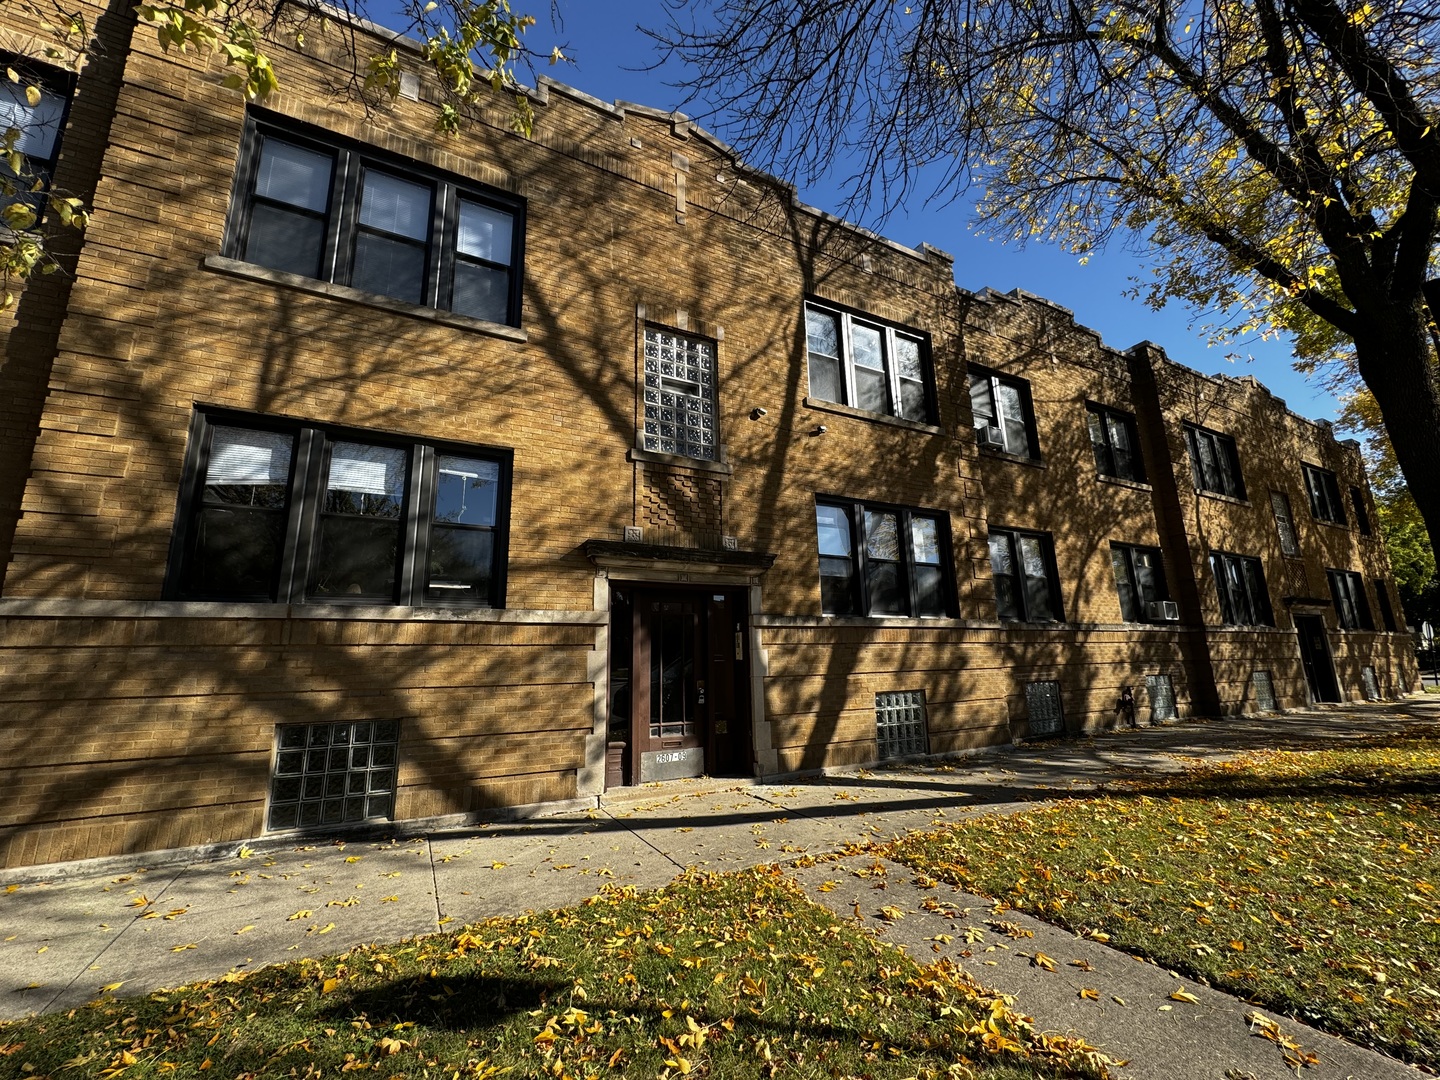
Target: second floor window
pixel 882 560
pixel 866 364
pixel 1240 581
pixel 35 111
pixel 680 396
pixel 338 213
pixel 1115 442
pixel 1347 589
pixel 1324 494
pixel 1026 583
pixel 1284 524
pixel 1140 581
pixel 1214 462
pixel 1002 413
pixel 1362 516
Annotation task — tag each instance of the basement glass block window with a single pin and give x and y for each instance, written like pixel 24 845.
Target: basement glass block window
pixel 333 774
pixel 901 729
pixel 1264 692
pixel 680 396
pixel 1372 685
pixel 1162 698
pixel 1042 700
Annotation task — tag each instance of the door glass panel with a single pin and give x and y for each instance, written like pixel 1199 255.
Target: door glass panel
pixel 672 672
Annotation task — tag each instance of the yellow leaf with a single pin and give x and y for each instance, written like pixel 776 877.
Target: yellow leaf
pixel 389 899
pixel 182 948
pixel 353 858
pixel 298 915
pixel 324 929
pixel 498 865
pixel 1181 994
pixel 1040 960
pixel 891 913
pixel 244 929
pixel 110 988
pixel 329 985
pixel 1088 994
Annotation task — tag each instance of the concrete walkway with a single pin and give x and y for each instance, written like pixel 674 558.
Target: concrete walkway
pixel 65 937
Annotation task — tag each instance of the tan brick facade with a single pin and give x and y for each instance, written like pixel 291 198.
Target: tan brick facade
pixel 137 719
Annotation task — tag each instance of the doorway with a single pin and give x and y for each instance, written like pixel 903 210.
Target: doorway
pixel 1315 657
pixel 679 678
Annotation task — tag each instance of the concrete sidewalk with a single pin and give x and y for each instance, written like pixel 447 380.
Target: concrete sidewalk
pixel 65 937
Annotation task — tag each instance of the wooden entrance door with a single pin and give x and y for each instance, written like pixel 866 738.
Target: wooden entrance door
pixel 1315 657
pixel 678 684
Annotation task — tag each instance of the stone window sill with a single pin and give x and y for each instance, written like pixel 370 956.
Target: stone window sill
pixel 236 268
pixel 1120 481
pixel 835 407
pixel 679 461
pixel 1018 459
pixel 1219 496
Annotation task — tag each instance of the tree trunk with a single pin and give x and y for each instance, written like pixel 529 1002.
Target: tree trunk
pixel 1398 366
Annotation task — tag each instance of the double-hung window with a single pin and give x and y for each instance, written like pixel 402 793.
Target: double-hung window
pixel 1115 442
pixel 289 512
pixel 325 209
pixel 1002 413
pixel 1284 524
pixel 1026 583
pixel 1240 582
pixel 1214 462
pixel 867 364
pixel 883 560
pixel 32 115
pixel 1362 516
pixel 1347 589
pixel 680 396
pixel 1324 494
pixel 1140 581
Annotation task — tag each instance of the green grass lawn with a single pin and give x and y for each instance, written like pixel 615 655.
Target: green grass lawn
pixel 734 975
pixel 1308 882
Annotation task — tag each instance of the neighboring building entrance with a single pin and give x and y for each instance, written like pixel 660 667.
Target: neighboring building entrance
pixel 679 674
pixel 1315 656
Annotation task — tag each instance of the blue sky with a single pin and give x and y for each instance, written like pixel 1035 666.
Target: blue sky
pixel 609 53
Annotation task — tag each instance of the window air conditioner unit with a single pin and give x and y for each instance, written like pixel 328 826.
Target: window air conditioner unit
pixel 991 436
pixel 1164 610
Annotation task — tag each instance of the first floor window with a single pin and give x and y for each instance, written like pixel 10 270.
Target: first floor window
pixel 1382 600
pixel 1115 442
pixel 1240 581
pixel 680 396
pixel 866 364
pixel 309 204
pixel 1002 413
pixel 1347 589
pixel 1026 583
pixel 283 511
pixel 1140 581
pixel 882 560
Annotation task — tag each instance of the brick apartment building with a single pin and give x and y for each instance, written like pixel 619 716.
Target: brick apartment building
pixel 357 473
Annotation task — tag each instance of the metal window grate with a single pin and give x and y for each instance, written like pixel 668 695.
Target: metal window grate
pixel 333 774
pixel 680 396
pixel 1372 685
pixel 901 728
pixel 1042 700
pixel 1162 698
pixel 1264 692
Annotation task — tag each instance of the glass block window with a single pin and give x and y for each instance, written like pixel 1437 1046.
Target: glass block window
pixel 1162 697
pixel 901 729
pixel 1042 700
pixel 333 774
pixel 1265 692
pixel 680 396
pixel 1372 684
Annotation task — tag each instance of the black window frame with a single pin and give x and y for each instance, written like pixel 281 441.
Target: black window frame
pixel 1387 610
pixel 846 320
pixel 1323 490
pixel 1352 606
pixel 856 591
pixel 60 84
pixel 1107 460
pixel 296 566
pixel 351 160
pixel 1023 613
pixel 1222 475
pixel 1124 555
pixel 1244 599
pixel 1362 515
pixel 990 381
